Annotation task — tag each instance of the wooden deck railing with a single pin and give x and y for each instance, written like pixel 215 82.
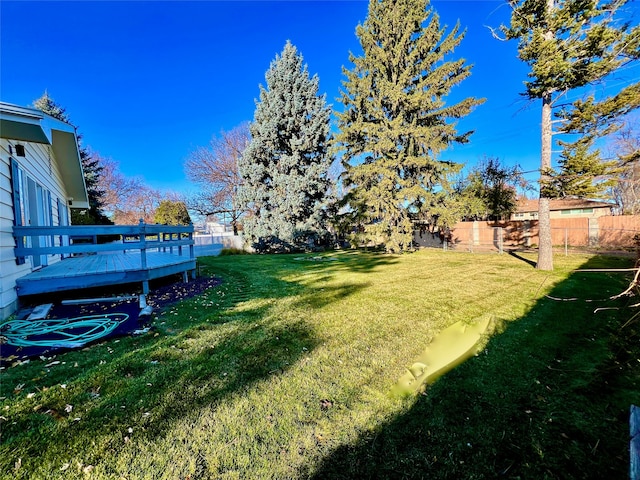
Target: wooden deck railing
pixel 141 237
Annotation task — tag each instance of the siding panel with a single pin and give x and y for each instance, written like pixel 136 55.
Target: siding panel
pixel 40 165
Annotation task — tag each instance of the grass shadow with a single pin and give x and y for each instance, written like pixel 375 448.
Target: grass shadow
pixel 548 398
pixel 363 260
pixel 201 351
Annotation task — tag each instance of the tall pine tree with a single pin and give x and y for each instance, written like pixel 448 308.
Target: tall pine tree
pixel 570 44
pixel 284 167
pixel 396 123
pixel 90 166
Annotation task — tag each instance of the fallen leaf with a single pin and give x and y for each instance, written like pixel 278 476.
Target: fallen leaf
pixel 325 404
pixel 54 414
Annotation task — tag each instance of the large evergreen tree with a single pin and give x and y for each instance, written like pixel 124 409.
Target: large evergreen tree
pixel 396 123
pixel 284 167
pixel 570 44
pixel 90 166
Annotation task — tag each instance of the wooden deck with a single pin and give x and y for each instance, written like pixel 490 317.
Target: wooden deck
pixel 147 252
pixel 101 270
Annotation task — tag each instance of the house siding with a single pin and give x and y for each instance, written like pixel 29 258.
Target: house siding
pixel 39 164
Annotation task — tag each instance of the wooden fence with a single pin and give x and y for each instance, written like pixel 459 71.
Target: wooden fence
pixel 607 232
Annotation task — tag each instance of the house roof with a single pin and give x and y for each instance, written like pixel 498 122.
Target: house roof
pixel 556 204
pixel 31 125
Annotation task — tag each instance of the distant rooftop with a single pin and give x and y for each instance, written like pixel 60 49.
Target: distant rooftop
pixel 526 205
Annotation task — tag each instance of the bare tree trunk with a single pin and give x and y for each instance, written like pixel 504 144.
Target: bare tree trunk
pixel 545 248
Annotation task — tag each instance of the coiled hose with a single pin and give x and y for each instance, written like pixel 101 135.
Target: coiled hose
pixel 64 332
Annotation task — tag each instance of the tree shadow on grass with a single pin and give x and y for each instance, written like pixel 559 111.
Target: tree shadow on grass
pixel 516 254
pixel 548 398
pixel 207 349
pixel 320 294
pixel 327 268
pixel 356 260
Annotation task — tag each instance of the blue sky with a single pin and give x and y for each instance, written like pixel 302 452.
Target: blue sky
pixel 148 82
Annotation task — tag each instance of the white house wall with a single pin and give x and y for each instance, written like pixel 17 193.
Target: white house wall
pixel 39 164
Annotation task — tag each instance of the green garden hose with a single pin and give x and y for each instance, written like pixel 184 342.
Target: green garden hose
pixel 64 332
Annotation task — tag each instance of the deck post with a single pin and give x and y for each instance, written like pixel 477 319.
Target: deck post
pixel 143 246
pixel 191 247
pixel 192 250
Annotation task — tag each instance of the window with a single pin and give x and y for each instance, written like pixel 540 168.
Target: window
pixel 19 208
pixel 576 211
pixel 31 206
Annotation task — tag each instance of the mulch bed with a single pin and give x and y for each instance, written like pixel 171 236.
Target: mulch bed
pixel 162 296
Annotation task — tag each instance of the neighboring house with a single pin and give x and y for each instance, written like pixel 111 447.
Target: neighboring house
pixel 40 178
pixel 214 227
pixel 563 208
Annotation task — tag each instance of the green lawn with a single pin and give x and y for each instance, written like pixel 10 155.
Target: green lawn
pixel 285 371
